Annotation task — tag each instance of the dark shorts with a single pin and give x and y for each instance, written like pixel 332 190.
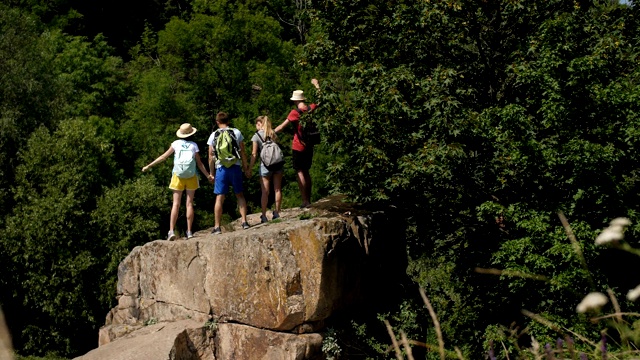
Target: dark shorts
pixel 302 159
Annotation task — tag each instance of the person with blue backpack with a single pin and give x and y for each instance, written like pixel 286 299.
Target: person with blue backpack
pixel 226 155
pixel 183 177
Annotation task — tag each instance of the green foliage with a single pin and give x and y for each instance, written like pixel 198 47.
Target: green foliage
pixel 126 216
pixel 307 215
pixel 480 131
pixel 211 325
pixel 52 266
pixel 47 357
pixel 150 321
pixel 29 92
pixel 330 347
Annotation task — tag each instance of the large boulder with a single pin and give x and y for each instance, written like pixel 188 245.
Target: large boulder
pixel 183 339
pixel 261 293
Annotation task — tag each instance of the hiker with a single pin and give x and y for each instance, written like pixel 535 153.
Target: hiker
pixel 302 152
pixel 183 177
pixel 226 149
pixel 268 169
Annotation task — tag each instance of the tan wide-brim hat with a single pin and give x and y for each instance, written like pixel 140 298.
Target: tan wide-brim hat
pixel 186 130
pixel 297 95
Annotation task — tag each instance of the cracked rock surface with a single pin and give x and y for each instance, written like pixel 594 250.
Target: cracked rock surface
pixel 261 293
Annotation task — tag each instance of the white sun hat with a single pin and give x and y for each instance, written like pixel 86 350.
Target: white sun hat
pixel 297 95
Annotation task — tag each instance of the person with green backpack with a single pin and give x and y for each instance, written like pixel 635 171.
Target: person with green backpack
pixel 183 177
pixel 226 155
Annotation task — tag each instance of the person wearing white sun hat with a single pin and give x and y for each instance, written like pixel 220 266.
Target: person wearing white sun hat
pixel 183 177
pixel 302 153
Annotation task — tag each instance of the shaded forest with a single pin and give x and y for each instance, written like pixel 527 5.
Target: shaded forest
pixel 477 121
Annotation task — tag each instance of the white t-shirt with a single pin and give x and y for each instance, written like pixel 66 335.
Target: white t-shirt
pixel 239 139
pixel 183 144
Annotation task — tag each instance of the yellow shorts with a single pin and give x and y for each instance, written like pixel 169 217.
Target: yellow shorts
pixel 184 184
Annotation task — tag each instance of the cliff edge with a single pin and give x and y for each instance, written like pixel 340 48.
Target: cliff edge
pixel 261 293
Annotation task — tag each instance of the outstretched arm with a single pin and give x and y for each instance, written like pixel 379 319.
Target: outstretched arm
pixel 281 126
pixel 160 159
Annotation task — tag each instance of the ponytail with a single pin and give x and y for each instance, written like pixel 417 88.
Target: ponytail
pixel 266 127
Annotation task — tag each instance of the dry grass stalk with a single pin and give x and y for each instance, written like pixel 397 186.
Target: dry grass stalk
pixel 459 353
pixel 394 342
pixel 430 347
pixel 555 327
pixel 436 323
pixel 511 273
pixel 405 343
pixel 576 246
pixel 616 306
pixel 506 352
pixel 618 314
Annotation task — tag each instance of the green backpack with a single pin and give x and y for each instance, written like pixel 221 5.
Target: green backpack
pixel 226 147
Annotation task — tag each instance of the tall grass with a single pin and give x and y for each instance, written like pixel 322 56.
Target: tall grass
pixel 619 334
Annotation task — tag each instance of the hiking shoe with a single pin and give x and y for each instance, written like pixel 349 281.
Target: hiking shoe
pixel 275 215
pixel 216 230
pixel 189 235
pixel 245 225
pixel 171 236
pixel 263 219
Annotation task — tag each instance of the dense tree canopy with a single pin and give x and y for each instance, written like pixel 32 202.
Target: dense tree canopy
pixel 502 110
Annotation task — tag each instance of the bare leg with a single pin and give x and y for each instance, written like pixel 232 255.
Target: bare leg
pixel 265 193
pixel 217 210
pixel 304 184
pixel 242 206
pixel 308 186
pixel 190 195
pixel 277 188
pixel 175 209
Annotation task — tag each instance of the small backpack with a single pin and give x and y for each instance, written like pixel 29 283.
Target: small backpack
pixel 226 147
pixel 309 135
pixel 184 164
pixel 271 154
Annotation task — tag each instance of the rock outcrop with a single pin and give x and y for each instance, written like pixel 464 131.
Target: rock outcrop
pixel 262 293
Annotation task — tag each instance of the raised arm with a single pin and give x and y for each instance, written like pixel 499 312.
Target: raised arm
pixel 160 159
pixel 316 84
